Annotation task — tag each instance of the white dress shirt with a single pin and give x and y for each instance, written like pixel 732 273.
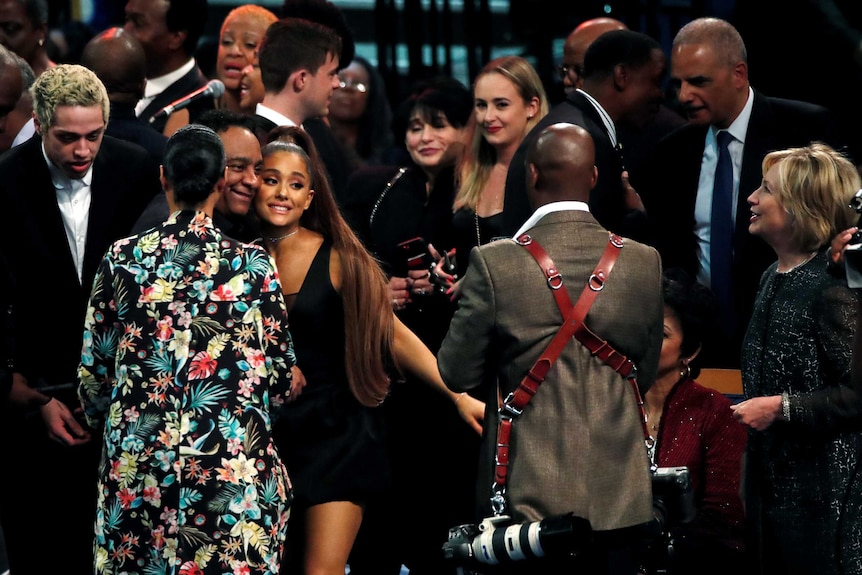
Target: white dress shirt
pixel 158 85
pixel 703 204
pixel 73 199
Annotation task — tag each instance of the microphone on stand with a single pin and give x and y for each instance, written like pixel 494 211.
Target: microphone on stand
pixel 213 89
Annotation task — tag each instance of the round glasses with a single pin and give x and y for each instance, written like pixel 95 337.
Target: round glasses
pixel 572 72
pixel 353 85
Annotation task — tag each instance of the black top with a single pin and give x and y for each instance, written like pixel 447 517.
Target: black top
pixel 401 213
pixel 471 231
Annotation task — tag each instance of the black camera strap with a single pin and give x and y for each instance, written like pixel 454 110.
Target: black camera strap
pixel 573 326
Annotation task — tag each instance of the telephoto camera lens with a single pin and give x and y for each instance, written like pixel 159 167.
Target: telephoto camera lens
pixel 494 542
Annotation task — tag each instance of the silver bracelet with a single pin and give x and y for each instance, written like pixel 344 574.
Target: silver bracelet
pixel 785 406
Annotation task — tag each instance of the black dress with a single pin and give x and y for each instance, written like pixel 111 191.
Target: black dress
pixel 329 441
pixel 433 453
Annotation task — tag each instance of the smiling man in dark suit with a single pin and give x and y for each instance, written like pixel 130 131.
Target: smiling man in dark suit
pixel 578 446
pixel 67 194
pixel 709 70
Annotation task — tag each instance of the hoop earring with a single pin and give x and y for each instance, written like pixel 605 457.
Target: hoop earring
pixel 685 372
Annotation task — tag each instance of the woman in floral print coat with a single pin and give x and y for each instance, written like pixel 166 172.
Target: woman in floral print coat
pixel 186 358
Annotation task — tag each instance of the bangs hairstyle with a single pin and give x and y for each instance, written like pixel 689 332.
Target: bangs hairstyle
pixel 194 162
pixel 369 324
pixel 814 185
pixel 67 85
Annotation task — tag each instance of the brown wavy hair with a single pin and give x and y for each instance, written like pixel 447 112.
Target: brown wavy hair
pixel 369 324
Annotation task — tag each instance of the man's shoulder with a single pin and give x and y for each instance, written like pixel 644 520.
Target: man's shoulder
pixel 790 107
pixel 116 155
pixel 15 158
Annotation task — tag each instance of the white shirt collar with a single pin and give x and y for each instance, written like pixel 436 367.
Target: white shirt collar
pixel 156 86
pixel 546 209
pixel 275 117
pixel 739 128
pixel 603 114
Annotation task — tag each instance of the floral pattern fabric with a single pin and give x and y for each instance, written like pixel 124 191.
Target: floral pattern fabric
pixel 186 360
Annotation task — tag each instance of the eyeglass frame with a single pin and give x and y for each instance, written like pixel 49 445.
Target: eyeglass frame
pixel 360 87
pixel 563 71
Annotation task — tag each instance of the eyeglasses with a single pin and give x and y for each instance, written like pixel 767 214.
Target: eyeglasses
pixel 353 85
pixel 573 72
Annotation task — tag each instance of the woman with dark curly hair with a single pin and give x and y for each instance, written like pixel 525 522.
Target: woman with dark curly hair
pixel 693 426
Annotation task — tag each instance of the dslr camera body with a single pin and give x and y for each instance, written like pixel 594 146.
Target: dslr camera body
pixel 496 540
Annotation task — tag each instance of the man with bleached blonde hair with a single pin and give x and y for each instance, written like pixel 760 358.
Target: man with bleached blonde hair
pixel 67 193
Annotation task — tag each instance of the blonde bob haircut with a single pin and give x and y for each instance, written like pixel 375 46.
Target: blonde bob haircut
pixel 815 184
pixel 67 85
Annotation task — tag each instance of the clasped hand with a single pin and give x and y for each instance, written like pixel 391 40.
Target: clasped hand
pixel 758 412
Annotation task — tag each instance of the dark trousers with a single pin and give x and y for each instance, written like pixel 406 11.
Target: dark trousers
pixel 47 499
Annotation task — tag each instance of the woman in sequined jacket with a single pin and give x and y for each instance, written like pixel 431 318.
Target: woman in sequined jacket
pixel 803 486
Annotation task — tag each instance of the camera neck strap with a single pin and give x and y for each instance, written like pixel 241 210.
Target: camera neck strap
pixel 573 326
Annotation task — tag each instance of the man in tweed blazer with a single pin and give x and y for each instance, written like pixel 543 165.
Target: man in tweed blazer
pixel 578 446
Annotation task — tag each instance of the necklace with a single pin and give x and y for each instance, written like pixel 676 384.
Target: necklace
pixel 800 264
pixel 279 238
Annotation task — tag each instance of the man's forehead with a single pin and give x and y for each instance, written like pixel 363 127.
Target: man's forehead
pixel 78 119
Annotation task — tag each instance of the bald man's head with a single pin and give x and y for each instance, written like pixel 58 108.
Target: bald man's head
pixel 118 59
pixel 560 165
pixel 576 47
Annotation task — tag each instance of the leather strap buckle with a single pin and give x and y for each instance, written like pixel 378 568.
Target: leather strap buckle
pixel 597 281
pixel 524 239
pixel 509 411
pixel 555 279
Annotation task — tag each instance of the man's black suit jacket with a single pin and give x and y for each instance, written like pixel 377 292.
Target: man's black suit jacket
pixel 124 125
pixel 50 301
pixel 669 192
pixel 607 199
pixel 187 84
pixel 331 153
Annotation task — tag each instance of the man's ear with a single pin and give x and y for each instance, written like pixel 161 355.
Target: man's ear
pixel 621 77
pixel 298 80
pixel 177 39
pixel 595 177
pixel 532 175
pixel 36 124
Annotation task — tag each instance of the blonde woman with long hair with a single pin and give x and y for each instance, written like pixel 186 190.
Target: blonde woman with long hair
pixel 508 100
